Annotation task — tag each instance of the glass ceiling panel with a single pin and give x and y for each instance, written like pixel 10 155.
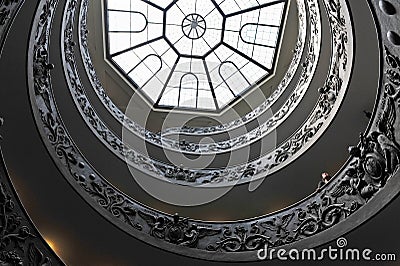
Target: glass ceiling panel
pixel 194 54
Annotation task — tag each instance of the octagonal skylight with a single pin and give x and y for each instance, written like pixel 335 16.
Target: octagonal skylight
pixel 194 54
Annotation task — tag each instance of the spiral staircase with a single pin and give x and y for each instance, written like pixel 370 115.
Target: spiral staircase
pixel 106 158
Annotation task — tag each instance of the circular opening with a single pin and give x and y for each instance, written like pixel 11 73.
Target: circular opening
pixel 194 26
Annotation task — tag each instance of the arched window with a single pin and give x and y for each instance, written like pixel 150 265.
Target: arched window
pixel 146 69
pixel 233 77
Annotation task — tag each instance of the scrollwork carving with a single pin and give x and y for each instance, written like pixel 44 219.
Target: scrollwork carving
pixel 177 230
pixel 320 216
pixel 114 202
pixel 240 239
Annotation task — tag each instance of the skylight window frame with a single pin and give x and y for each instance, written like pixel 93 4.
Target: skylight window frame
pixel 218 108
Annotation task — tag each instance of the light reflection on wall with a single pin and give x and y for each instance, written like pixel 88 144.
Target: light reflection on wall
pixel 51 244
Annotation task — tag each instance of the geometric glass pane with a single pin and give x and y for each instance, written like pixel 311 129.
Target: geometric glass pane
pixel 194 54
